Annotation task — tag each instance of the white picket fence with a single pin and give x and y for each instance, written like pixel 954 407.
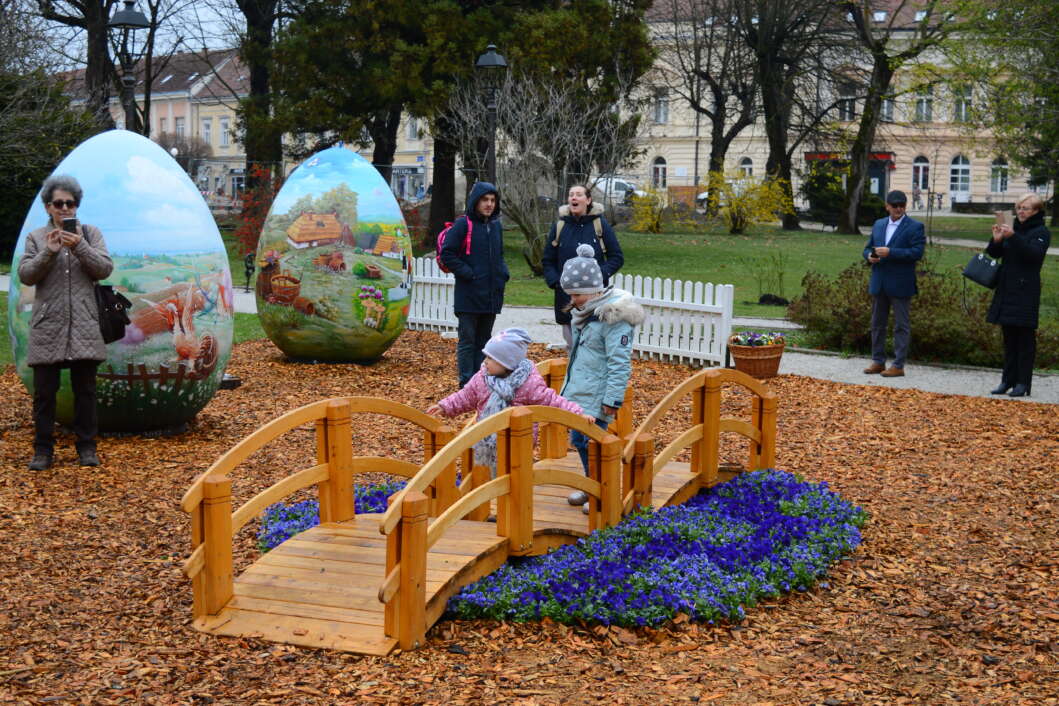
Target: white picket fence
pixel 686 321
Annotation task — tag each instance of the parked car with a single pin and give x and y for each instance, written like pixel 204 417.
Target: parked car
pixel 618 189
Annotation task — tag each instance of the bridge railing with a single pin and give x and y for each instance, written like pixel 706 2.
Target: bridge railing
pixel 209 499
pixel 703 434
pixel 410 533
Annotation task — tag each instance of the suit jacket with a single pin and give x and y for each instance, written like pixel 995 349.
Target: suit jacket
pixel 895 274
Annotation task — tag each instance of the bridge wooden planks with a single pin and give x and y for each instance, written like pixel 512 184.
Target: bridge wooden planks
pixel 320 588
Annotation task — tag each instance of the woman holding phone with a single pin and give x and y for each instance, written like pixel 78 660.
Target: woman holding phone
pixel 1021 249
pixel 64 260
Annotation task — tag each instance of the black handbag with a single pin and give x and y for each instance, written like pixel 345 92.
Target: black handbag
pixel 113 312
pixel 982 270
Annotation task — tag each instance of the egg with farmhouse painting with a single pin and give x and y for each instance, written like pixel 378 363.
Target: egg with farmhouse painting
pixel 334 262
pixel 169 261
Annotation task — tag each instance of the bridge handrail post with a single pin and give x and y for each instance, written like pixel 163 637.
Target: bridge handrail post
pixel 610 481
pixel 553 437
pixel 323 488
pixel 340 460
pixel 709 461
pixel 217 578
pixel 766 424
pixel 643 470
pixel 446 491
pixel 411 596
pixel 517 506
pixel 479 477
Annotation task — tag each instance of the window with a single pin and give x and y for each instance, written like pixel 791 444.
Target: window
pixel 886 109
pixel 225 134
pixel 921 173
pixel 998 176
pixel 161 124
pixel 413 129
pixel 925 105
pixel 879 15
pixel 746 167
pixel 207 131
pixel 661 107
pixel 960 178
pixel 961 104
pixel 178 126
pixel 658 173
pixel 921 15
pixel 847 103
pixel 238 182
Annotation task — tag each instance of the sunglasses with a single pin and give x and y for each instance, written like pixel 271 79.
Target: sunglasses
pixel 59 203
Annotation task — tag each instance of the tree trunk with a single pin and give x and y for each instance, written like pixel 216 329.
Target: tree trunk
pixel 858 155
pixel 262 142
pixel 443 191
pixel 99 67
pixel 383 128
pixel 776 107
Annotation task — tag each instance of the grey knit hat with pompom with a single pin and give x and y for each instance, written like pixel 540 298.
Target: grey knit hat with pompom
pixel 581 274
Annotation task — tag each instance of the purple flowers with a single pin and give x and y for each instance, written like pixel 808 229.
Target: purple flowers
pixel 760 535
pixel 753 338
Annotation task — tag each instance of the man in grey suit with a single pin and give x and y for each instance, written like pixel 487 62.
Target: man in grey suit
pixel 895 245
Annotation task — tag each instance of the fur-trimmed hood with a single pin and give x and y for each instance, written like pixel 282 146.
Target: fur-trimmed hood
pixel 621 306
pixel 596 209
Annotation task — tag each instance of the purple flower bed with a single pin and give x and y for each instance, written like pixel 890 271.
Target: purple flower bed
pixel 283 521
pixel 757 536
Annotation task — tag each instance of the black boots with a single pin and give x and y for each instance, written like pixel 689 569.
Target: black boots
pixel 1001 389
pixel 41 461
pixel 1020 391
pixel 87 457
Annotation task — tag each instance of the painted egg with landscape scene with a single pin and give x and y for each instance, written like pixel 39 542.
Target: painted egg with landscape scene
pixel 334 262
pixel 169 261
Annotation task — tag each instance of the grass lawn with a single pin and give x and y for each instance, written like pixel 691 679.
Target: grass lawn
pixel 743 260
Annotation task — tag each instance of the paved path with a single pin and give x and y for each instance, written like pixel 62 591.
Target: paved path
pixel 540 324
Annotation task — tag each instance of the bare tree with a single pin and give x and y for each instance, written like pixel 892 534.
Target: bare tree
pixel 795 44
pixel 538 148
pixel 889 46
pixel 704 60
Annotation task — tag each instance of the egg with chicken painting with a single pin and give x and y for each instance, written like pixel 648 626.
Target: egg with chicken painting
pixel 169 261
pixel 334 262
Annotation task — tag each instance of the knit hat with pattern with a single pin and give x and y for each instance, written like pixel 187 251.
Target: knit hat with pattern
pixel 581 274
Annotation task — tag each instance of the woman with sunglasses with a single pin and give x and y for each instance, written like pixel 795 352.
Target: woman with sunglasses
pixel 64 263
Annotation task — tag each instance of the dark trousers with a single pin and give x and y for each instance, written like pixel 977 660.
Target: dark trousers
pixel 473 332
pixel 1020 349
pixel 880 316
pixel 45 387
pixel 580 442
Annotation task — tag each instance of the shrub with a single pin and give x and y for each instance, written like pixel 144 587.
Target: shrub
pixel 822 188
pixel 743 201
pixel 948 318
pixel 648 211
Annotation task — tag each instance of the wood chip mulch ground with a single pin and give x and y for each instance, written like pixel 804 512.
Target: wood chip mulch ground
pixel 953 597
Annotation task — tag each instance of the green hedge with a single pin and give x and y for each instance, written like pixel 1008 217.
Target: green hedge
pixel 948 319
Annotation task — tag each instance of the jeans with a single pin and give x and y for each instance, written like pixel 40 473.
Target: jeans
pixel 46 385
pixel 880 315
pixel 580 442
pixel 473 332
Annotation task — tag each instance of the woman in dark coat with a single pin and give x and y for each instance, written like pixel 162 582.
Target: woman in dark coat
pixel 582 222
pixel 1021 249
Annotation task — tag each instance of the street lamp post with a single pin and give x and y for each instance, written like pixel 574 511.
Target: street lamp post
pixel 492 66
pixel 127 21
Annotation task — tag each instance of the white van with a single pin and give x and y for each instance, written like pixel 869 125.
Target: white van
pixel 617 190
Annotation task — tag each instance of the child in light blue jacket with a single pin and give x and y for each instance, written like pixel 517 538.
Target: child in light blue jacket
pixel 600 357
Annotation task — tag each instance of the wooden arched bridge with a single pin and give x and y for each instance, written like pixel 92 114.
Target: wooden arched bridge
pixel 368 583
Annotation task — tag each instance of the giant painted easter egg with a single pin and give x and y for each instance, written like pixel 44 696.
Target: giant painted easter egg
pixel 334 262
pixel 169 261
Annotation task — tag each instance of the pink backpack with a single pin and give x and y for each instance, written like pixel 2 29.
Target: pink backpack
pixel 441 241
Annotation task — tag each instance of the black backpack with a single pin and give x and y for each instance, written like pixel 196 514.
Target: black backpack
pixel 113 312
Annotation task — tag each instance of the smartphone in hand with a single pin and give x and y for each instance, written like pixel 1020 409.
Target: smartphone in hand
pixel 70 225
pixel 873 253
pixel 1002 218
